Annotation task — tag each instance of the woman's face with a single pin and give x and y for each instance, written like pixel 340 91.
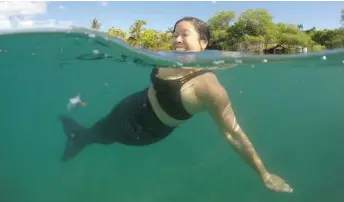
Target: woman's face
pixel 186 38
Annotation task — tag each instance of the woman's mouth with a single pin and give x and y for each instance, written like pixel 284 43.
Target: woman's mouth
pixel 180 49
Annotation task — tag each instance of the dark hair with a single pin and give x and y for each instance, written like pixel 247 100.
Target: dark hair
pixel 201 27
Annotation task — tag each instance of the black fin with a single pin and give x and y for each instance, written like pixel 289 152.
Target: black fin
pixel 75 137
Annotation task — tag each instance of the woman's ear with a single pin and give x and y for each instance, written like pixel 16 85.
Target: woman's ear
pixel 203 44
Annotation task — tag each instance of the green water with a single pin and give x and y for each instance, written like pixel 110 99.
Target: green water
pixel 291 109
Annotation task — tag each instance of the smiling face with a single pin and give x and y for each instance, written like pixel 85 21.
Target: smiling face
pixel 187 38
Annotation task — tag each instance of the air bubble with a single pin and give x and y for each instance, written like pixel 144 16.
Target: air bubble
pixel 218 62
pixel 265 60
pixel 95 51
pixel 179 64
pixel 324 57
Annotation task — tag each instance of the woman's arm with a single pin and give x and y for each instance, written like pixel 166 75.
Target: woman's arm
pixel 215 99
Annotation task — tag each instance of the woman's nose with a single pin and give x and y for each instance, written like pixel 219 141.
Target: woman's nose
pixel 179 39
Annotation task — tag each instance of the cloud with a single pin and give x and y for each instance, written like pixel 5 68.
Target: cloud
pixel 10 8
pixel 4 24
pixel 51 23
pixel 104 3
pixel 61 7
pixel 20 14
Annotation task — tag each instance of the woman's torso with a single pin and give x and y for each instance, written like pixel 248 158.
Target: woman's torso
pixel 185 97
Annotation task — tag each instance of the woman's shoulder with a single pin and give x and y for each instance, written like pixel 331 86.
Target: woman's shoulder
pixel 208 85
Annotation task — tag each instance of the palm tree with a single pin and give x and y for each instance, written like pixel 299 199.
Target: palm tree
pixel 300 27
pixel 164 41
pixel 135 32
pixel 119 33
pixel 95 24
pixel 170 30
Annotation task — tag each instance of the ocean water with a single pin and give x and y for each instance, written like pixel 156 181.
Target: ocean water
pixel 290 106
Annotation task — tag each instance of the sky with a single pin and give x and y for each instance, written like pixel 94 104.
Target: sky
pixel 159 15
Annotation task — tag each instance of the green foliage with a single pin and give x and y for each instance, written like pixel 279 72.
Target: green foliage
pixel 252 43
pixel 95 24
pixel 164 41
pixel 219 24
pixel 329 38
pixel 318 48
pixel 135 31
pixel 291 36
pixel 149 39
pixel 119 33
pixel 300 26
pixel 218 40
pixel 221 20
pixel 253 31
pixel 256 22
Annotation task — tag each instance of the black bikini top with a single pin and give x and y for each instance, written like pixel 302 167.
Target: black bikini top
pixel 168 93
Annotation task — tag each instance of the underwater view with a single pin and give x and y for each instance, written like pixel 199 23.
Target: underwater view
pixel 137 102
pixel 290 106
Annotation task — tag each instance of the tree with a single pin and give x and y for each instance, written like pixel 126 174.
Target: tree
pixel 164 41
pixel 221 20
pixel 253 31
pixel 170 29
pixel 135 32
pixel 219 24
pixel 119 33
pixel 291 37
pixel 149 39
pixel 300 26
pixel 95 24
pixel 329 38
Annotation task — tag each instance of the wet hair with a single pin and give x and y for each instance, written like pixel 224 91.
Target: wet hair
pixel 201 27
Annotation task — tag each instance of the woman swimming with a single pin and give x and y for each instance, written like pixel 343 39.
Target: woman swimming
pixel 150 115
